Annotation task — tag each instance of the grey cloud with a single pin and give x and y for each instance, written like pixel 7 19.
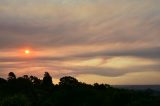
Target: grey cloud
pixel 143 53
pixel 65 29
pixel 112 72
pixel 151 53
pixel 134 23
pixel 70 70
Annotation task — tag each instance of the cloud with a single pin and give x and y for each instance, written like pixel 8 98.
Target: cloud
pixel 62 25
pixel 60 70
pixel 142 53
pixel 67 33
pixel 112 67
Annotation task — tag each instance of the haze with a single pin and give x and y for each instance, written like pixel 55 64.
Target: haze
pixel 104 41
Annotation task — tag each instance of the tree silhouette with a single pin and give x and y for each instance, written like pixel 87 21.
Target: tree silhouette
pixel 68 81
pixel 35 80
pixel 31 91
pixel 23 84
pixel 11 76
pixel 47 79
pixel 101 86
pixel 26 77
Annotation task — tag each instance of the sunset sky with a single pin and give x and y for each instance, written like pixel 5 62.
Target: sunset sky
pixel 104 41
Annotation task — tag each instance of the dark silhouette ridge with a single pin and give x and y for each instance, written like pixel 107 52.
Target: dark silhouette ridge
pixel 32 91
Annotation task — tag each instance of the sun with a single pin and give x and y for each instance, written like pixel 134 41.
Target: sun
pixel 27 51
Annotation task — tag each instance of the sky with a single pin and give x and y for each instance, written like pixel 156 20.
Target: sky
pixel 106 41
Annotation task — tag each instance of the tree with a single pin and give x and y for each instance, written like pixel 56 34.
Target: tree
pixel 26 77
pixel 11 76
pixel 68 81
pixel 101 86
pixel 23 84
pixel 35 80
pixel 47 79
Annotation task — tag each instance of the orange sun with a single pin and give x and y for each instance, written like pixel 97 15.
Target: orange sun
pixel 27 51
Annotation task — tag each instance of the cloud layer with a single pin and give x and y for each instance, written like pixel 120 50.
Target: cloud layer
pixel 105 37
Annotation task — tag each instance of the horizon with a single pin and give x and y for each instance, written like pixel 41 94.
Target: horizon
pixel 103 41
pixel 56 81
pixel 130 86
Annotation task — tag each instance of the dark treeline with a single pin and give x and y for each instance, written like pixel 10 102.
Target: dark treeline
pixel 31 91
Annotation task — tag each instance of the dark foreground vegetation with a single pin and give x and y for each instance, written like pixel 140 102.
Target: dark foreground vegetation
pixel 31 91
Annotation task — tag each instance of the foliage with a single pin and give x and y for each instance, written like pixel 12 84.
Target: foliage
pixel 31 91
pixel 15 100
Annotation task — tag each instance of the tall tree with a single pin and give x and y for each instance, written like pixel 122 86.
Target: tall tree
pixel 47 79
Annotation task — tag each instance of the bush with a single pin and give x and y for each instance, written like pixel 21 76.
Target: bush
pixel 16 100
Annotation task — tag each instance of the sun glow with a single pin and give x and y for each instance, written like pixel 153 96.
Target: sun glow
pixel 27 51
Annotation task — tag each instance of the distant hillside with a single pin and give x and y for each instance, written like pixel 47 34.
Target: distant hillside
pixel 139 87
